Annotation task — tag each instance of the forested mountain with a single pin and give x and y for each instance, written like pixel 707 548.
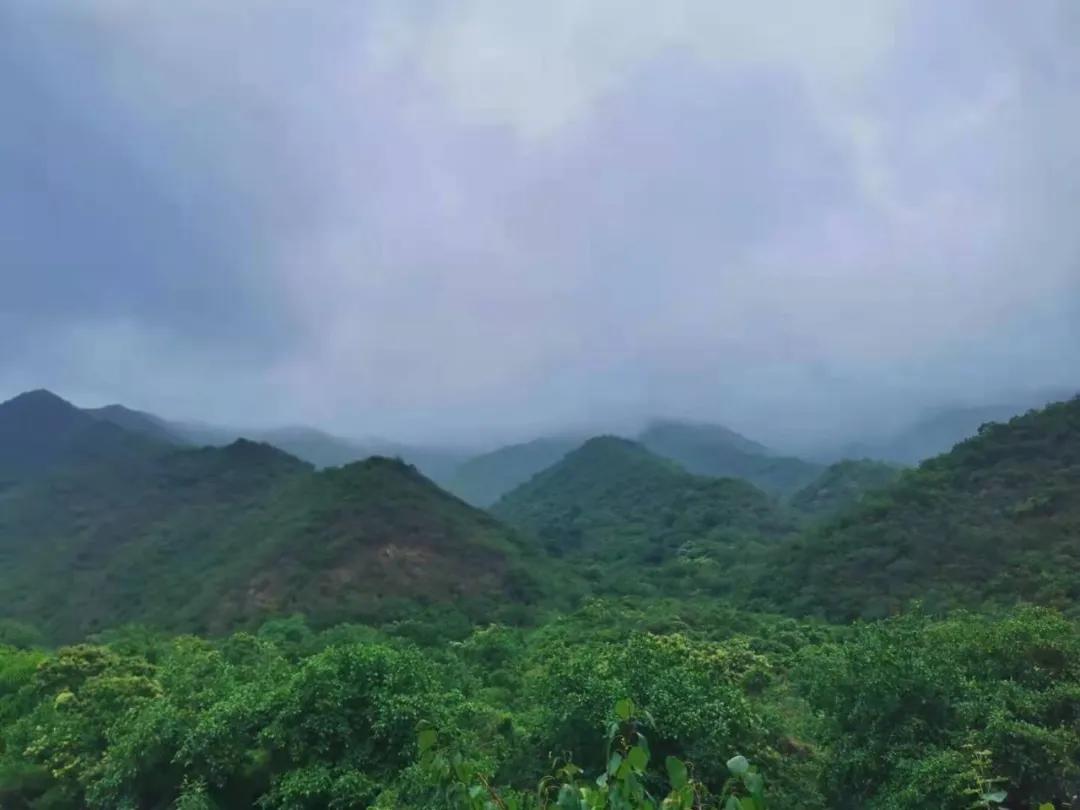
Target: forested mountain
pixel 640 523
pixel 482 480
pixel 722 453
pixel 327 450
pixel 141 422
pixel 205 539
pixel 939 430
pixel 182 539
pixel 996 519
pixel 841 485
pixel 40 432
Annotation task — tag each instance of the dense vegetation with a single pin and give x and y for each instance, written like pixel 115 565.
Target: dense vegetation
pixel 484 479
pixel 633 522
pixel 449 662
pixel 889 715
pixel 210 539
pixel 995 520
pixel 841 485
pixel 716 451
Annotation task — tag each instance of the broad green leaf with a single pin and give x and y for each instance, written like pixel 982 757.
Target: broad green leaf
pixel 638 758
pixel 676 771
pixel 754 783
pixel 614 762
pixel 738 765
pixel 997 796
pixel 624 709
pixel 427 738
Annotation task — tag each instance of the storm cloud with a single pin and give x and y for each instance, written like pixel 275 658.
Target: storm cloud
pixel 486 219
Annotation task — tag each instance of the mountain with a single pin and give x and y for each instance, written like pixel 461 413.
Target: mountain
pixel 482 480
pixel 140 422
pixel 843 484
pixel 636 521
pixel 995 520
pixel 40 432
pixel 327 450
pixel 212 538
pixel 939 430
pixel 719 452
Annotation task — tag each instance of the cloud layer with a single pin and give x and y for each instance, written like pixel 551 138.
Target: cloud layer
pixel 485 219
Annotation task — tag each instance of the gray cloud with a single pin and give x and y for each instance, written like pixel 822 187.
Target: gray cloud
pixel 472 220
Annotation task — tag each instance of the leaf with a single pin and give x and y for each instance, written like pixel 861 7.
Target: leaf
pixel 614 762
pixel 427 738
pixel 738 765
pixel 624 709
pixel 676 772
pixel 754 783
pixel 1046 806
pixel 638 758
pixel 732 803
pixel 997 796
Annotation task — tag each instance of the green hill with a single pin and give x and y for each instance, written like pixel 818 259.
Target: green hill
pixel 40 432
pixel 841 485
pixel 722 453
pixel 995 520
pixel 484 479
pixel 637 521
pixel 212 538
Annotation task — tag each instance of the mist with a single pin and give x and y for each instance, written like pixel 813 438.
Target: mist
pixel 481 221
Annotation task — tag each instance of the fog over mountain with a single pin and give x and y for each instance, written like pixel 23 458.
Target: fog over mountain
pixel 487 221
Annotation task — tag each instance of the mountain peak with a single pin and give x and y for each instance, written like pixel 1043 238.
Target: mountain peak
pixel 38 398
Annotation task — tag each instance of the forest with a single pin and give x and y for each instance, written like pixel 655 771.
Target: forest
pixel 187 626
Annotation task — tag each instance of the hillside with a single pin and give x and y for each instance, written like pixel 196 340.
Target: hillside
pixel 939 430
pixel 637 521
pixel 997 519
pixel 213 538
pixel 722 453
pixel 326 449
pixel 140 422
pixel 841 485
pixel 40 432
pixel 484 479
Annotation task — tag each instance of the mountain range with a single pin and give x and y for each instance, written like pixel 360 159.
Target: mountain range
pixel 111 515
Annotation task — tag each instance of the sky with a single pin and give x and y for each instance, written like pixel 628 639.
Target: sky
pixel 488 219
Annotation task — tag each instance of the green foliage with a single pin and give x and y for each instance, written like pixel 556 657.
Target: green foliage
pixel 715 451
pixel 213 539
pixel 906 702
pixel 482 480
pixel 627 780
pixel 637 523
pixel 993 521
pixel 911 712
pixel 841 485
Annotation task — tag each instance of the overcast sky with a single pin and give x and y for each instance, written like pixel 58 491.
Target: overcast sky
pixel 490 218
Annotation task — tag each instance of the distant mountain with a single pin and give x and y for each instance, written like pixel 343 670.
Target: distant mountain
pixel 212 538
pixel 843 484
pixel 996 519
pixel 140 422
pixel 327 450
pixel 40 432
pixel 939 430
pixel 482 480
pixel 643 521
pixel 719 452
